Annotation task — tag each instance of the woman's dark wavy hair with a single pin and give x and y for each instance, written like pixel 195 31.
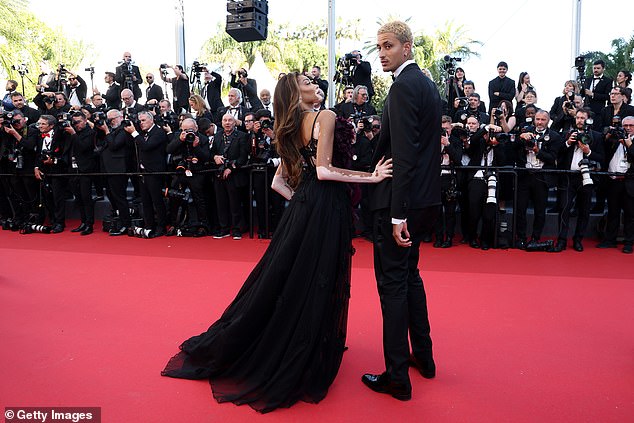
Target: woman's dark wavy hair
pixel 287 127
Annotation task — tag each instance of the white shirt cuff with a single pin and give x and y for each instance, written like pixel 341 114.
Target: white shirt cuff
pixel 398 221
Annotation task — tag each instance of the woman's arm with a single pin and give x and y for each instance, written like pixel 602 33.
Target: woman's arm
pixel 324 131
pixel 280 184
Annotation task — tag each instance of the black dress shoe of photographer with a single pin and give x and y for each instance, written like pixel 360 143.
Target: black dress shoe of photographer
pixel 57 228
pixel 485 246
pixel 438 243
pixel 561 245
pixel 448 242
pixel 521 244
pixel 79 228
pixel 87 230
pixel 577 246
pixel 426 367
pixel 381 384
pixel 122 231
pixel 627 248
pixel 474 244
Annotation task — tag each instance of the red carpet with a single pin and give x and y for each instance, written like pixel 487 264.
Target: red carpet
pixel 519 337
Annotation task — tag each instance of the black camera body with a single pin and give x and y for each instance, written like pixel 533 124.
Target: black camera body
pixel 8 119
pixel 171 120
pixel 241 73
pixel 99 118
pixel 449 64
pixel 190 136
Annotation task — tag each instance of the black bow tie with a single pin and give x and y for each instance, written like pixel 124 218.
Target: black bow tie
pixel 234 108
pixel 393 77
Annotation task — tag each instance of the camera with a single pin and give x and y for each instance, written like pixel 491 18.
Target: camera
pixel 163 66
pixel 266 124
pixel 8 119
pixel 367 123
pixel 345 69
pixel 615 132
pixel 498 112
pixel 450 64
pixel 463 102
pixel 90 69
pixel 47 99
pixel 190 136
pixel 31 228
pixel 492 183
pixel 580 64
pixel 584 168
pixel 99 118
pixel 171 120
pixel 63 119
pixel 176 194
pixel 139 232
pixel 198 67
pixel 242 73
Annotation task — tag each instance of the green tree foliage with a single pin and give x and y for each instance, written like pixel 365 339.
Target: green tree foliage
pixel 24 39
pixel 620 58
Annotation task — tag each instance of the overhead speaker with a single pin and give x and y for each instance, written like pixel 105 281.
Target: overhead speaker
pixel 247 20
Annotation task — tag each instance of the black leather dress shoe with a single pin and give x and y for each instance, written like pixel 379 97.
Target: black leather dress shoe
pixel 380 383
pixel 122 231
pixel 448 242
pixel 79 228
pixel 438 243
pixel 426 367
pixel 627 248
pixel 87 230
pixel 520 244
pixel 474 244
pixel 485 246
pixel 577 246
pixel 57 228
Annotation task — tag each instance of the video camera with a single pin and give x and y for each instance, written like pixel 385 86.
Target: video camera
pixel 615 132
pixel 22 69
pixel 99 118
pixel 62 73
pixel 171 120
pixel 346 65
pixel 580 64
pixel 198 67
pixel 449 64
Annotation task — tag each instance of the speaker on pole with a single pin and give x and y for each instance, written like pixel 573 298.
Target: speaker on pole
pixel 247 20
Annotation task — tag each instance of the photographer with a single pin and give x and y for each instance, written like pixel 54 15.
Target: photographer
pixel 17 157
pixel 597 89
pixel 51 103
pixel 11 87
pixel 128 75
pixel 564 108
pixel 180 86
pixel 113 140
pixel 264 156
pixel 83 160
pixel 360 106
pixel 150 145
pixel 75 91
pixel 501 87
pixel 235 109
pixel 31 114
pixel 583 149
pixel 537 147
pixel 52 147
pixel 230 151
pixel 249 89
pixel 451 153
pixel 348 92
pixel 315 75
pixel 190 151
pixel 472 110
pixel 484 151
pixel 113 93
pixel 362 73
pixel 455 90
pixel 211 91
pixel 153 91
pixel 619 151
pixel 166 118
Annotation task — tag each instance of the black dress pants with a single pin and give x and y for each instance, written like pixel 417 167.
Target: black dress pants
pixel 117 187
pixel 152 187
pixel 400 287
pixel 533 187
pixel 81 186
pixel 582 196
pixel 618 200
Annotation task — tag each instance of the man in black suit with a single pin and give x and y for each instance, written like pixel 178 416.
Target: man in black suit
pixel 211 91
pixel 237 110
pixel 535 150
pixel 249 89
pixel 582 144
pixel 230 151
pixel 114 139
pixel 52 151
pixel 180 87
pixel 31 114
pixel 129 76
pixel 153 91
pixel 619 153
pixel 597 88
pixel 501 87
pixel 76 91
pixel 362 74
pixel 360 106
pixel 315 75
pixel 151 144
pixel 83 160
pixel 404 207
pixel 113 93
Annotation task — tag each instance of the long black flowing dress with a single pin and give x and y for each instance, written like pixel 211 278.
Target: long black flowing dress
pixel 282 338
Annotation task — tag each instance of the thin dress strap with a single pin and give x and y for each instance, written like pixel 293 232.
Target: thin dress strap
pixel 313 140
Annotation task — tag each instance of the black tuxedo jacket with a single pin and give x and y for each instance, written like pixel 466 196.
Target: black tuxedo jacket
pixel 81 90
pixel 151 149
pixel 602 88
pixel 83 150
pixel 506 89
pixel 551 145
pixel 182 150
pixel 566 153
pixel 211 93
pixel 353 109
pixel 363 76
pixel 120 79
pixel 236 154
pixel 607 113
pixel 478 147
pixel 223 110
pixel 410 135
pixel 60 150
pixel 155 92
pixel 113 96
pixel 113 156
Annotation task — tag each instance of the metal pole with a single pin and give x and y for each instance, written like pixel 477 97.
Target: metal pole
pixel 331 53
pixel 575 36
pixel 179 27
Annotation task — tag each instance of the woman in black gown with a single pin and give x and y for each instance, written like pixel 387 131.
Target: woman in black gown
pixel 282 338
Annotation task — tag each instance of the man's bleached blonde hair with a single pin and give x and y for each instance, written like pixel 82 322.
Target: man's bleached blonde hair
pixel 400 29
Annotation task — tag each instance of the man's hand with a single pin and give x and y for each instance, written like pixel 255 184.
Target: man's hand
pixel 401 235
pixel 39 175
pixel 218 160
pixel 226 173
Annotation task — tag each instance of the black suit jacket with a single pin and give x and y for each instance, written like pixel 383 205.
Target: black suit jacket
pixel 83 150
pixel 211 93
pixel 551 145
pixel 601 95
pixel 155 92
pixel 410 135
pixel 151 148
pixel 81 90
pixel 120 78
pixel 60 150
pixel 236 154
pixel 566 153
pixel 506 89
pixel 223 110
pixel 363 76
pixel 113 96
pixel 113 156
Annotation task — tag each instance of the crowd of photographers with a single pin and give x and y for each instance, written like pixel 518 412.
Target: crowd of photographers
pixel 197 166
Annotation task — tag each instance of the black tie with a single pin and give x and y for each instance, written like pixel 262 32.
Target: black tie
pixel 393 77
